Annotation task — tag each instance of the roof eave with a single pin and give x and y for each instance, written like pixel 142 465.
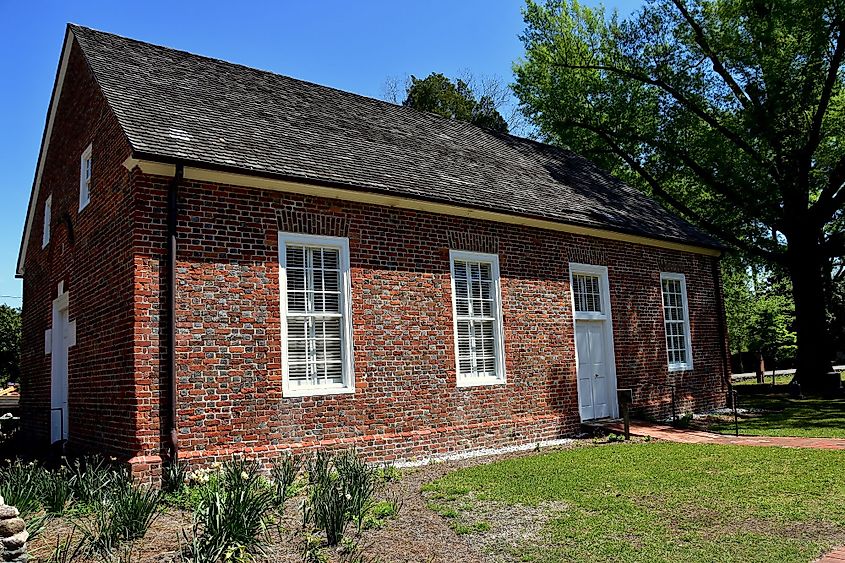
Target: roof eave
pixel 714 249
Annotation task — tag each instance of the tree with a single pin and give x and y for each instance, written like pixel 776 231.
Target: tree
pixel 10 344
pixel 454 100
pixel 731 112
pixel 759 310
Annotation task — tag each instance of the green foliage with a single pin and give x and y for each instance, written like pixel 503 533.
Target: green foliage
pixel 380 512
pixel 454 100
pixel 283 473
pixel 358 482
pixel 21 485
pixel 233 515
pixel 760 311
pixel 56 491
pixel 10 344
pixel 731 112
pixel 174 477
pixel 92 477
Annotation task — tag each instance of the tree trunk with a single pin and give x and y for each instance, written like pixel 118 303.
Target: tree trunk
pixel 806 269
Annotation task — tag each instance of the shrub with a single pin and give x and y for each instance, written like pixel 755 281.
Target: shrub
pixel 231 518
pixel 283 474
pixel 318 467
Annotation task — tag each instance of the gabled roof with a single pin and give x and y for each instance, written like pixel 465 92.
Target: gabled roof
pixel 175 105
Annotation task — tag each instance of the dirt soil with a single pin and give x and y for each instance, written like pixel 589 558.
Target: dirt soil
pixel 415 535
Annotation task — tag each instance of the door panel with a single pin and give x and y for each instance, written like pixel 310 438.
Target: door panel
pixel 59 383
pixel 593 376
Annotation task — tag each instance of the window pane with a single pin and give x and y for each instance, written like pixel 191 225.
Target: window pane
pixel 675 321
pixel 476 324
pixel 586 293
pixel 315 317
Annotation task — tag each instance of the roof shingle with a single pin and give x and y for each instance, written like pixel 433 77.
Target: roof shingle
pixel 178 105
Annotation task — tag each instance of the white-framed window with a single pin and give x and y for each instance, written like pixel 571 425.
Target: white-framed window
pixel 316 315
pixel 477 312
pixel 587 292
pixel 48 217
pixel 676 321
pixel 85 167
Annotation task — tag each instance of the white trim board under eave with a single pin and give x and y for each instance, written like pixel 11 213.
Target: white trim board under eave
pixel 45 144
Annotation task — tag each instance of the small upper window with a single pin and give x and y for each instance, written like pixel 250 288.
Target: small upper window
pixel 85 178
pixel 478 318
pixel 48 217
pixel 587 292
pixel 676 321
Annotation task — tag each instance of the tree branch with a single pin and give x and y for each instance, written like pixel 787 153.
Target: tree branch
pixel 833 195
pixel 814 138
pixel 658 189
pixel 686 102
pixel 744 98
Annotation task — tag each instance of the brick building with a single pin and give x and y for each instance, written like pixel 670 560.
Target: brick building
pixel 236 261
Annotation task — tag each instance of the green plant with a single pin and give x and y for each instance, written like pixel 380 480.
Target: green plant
pixel 388 473
pixel 358 481
pixel 174 475
pixel 329 508
pixel 233 514
pixel 91 478
pixel 312 549
pixel 382 511
pixel 21 485
pixel 56 492
pixel 132 510
pixel 318 467
pixel 283 474
pixel 125 513
pixel 683 422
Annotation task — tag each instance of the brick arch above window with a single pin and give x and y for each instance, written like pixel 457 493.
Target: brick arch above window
pixel 473 242
pixel 312 223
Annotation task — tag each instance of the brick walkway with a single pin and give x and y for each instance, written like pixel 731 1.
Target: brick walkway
pixel 668 433
pixel 671 434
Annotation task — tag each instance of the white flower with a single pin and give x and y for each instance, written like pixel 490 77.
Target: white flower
pixel 244 475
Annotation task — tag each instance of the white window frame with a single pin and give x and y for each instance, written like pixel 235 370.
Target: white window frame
pixel 85 183
pixel 677 366
pixel 48 218
pixel 499 333
pixel 341 244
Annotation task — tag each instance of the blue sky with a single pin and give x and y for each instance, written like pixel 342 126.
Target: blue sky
pixel 354 46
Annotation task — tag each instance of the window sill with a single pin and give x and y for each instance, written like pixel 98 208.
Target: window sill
pixel 480 381
pixel 317 391
pixel 680 367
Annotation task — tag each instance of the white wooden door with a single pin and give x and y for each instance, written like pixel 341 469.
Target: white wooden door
pixel 593 373
pixel 59 385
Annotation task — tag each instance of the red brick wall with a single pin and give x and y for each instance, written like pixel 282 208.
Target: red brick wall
pixel 406 401
pixel 91 252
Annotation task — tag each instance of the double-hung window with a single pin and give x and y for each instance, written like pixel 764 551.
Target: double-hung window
pixel 476 298
pixel 85 164
pixel 676 321
pixel 48 217
pixel 316 315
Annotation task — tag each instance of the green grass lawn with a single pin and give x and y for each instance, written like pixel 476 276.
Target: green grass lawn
pixel 779 380
pixel 660 502
pixel 818 418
